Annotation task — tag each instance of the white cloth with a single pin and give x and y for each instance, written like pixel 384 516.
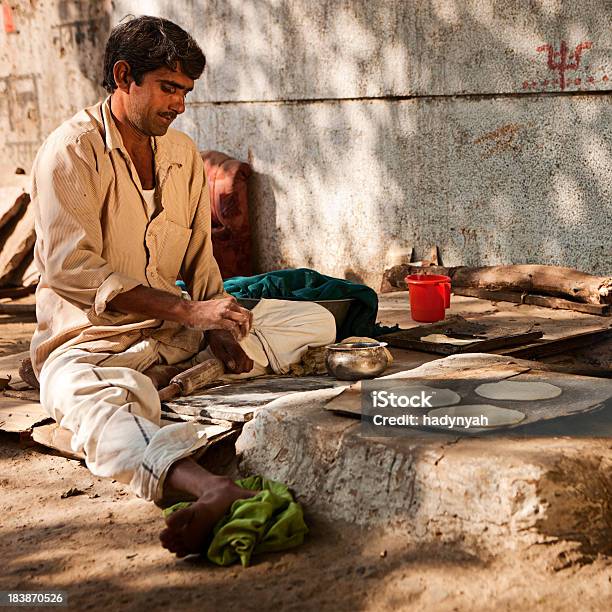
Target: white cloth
pixel 149 198
pixel 114 411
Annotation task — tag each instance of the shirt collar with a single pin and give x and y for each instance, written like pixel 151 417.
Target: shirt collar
pixel 164 155
pixel 112 136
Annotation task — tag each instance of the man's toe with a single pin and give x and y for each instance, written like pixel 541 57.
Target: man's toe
pixel 179 520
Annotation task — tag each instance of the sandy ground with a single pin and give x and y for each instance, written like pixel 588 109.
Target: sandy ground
pixel 101 547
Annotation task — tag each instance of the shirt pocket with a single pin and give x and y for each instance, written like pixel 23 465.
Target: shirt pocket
pixel 171 247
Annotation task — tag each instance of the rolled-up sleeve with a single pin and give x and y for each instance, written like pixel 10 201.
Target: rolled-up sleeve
pixel 200 271
pixel 67 188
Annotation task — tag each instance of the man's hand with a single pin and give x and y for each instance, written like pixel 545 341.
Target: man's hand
pixel 222 314
pixel 223 344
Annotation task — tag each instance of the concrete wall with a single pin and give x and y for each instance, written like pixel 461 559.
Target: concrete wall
pixel 481 126
pixel 50 67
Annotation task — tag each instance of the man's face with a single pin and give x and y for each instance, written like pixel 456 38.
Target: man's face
pixel 154 104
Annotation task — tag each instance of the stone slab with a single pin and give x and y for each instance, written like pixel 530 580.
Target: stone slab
pixel 489 494
pixel 12 200
pixel 17 245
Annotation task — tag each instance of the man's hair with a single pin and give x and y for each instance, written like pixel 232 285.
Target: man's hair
pixel 148 43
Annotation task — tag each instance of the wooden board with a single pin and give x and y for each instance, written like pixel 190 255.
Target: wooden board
pixel 18 415
pixel 487 337
pixel 17 292
pixel 546 348
pixel 18 309
pixel 56 437
pixel 580 394
pixel 28 394
pixel 534 300
pixel 238 401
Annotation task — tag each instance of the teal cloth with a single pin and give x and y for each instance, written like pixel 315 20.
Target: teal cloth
pixel 309 285
pixel 268 522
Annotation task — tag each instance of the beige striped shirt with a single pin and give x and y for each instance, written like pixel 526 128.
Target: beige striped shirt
pixel 96 238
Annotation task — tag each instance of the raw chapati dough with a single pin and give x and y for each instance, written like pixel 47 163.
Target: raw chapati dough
pixel 497 417
pixel 444 339
pixel 440 397
pixel 519 391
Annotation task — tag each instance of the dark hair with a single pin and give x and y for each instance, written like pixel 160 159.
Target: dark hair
pixel 148 43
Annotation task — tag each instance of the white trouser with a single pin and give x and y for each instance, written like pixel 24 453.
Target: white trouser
pixel 114 411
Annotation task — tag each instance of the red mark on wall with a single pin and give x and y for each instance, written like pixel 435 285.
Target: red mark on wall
pixel 561 62
pixel 7 15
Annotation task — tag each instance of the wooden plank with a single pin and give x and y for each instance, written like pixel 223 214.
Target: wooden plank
pixel 18 309
pixel 18 415
pixel 28 395
pixel 16 292
pixel 406 339
pixel 17 245
pixel 534 300
pixel 559 345
pixel 58 438
pixel 567 283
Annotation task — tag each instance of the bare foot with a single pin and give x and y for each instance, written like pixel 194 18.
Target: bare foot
pixel 188 529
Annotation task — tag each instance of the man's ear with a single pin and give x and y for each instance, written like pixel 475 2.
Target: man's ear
pixel 123 75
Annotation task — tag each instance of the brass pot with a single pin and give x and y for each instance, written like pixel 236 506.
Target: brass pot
pixel 356 360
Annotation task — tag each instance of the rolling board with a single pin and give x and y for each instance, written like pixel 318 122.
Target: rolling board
pixel 238 401
pixel 486 337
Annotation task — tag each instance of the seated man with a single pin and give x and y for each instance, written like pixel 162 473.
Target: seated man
pixel 122 210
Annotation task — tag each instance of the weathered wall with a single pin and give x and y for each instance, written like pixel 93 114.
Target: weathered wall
pixel 482 126
pixel 50 67
pixel 395 123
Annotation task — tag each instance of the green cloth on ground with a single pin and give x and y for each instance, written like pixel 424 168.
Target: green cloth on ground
pixel 268 522
pixel 309 285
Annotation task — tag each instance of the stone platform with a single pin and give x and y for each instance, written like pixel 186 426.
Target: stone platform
pixel 484 493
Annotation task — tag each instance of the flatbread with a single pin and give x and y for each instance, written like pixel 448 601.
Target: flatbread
pixel 497 417
pixel 439 397
pixel 518 391
pixel 444 339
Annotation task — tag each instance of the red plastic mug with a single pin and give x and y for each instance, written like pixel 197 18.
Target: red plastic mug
pixel 429 296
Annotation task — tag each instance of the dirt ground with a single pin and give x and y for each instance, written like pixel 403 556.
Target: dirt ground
pixel 101 546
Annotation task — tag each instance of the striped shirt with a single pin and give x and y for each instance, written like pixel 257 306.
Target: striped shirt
pixel 96 237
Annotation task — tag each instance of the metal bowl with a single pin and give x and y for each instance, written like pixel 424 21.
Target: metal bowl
pixel 339 308
pixel 356 360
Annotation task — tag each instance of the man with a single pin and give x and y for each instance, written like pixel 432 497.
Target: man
pixel 122 210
